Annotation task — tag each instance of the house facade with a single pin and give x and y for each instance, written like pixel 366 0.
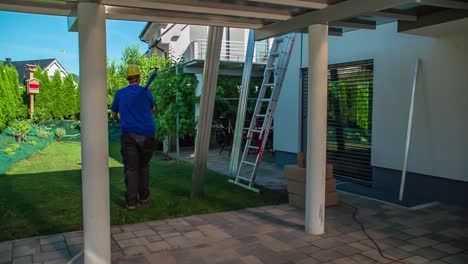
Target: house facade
pixel 374 110
pixel 49 65
pixel 437 163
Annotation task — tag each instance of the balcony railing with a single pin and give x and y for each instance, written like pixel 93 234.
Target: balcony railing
pixel 230 51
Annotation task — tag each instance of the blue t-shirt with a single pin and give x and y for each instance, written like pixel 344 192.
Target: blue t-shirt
pixel 134 104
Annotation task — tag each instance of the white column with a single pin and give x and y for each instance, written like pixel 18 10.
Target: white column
pixel 210 79
pixel 94 142
pixel 316 129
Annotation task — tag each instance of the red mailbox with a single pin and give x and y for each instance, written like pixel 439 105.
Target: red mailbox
pixel 33 86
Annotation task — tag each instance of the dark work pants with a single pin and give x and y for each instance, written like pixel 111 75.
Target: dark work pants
pixel 136 152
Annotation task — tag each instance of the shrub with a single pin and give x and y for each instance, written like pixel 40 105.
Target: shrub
pixel 43 133
pixel 33 143
pixel 11 149
pixel 20 128
pixel 60 132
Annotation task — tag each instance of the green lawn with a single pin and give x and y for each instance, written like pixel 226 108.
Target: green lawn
pixel 42 195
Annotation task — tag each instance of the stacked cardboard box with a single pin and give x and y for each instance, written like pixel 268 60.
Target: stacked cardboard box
pixel 296 176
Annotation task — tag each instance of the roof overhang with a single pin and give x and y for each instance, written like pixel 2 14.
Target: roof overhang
pixel 268 17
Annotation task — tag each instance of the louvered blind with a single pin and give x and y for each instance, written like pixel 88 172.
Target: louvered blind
pixel 349 138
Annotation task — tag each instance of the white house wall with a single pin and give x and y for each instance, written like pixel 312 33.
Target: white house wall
pixel 286 136
pixel 55 67
pixel 439 145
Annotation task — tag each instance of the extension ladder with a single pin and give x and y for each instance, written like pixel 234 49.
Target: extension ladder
pixel 261 121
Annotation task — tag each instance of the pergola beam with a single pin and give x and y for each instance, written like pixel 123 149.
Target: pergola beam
pixel 433 19
pixel 140 14
pixel 340 11
pixel 354 23
pixel 56 8
pixel 394 15
pixel 444 3
pixel 214 8
pixel 314 4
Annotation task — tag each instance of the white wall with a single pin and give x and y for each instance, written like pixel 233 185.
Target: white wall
pixel 286 136
pixel 55 67
pixel 439 145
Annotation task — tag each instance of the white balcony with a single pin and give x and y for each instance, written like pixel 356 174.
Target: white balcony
pixel 233 51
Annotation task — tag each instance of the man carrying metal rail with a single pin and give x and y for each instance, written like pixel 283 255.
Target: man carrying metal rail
pixel 133 108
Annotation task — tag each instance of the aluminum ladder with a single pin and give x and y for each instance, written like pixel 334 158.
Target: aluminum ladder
pixel 261 121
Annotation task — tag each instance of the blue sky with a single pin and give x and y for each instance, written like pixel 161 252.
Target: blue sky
pixel 27 37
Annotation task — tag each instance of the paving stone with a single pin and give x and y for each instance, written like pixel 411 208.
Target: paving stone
pixel 53 247
pixel 193 234
pixel 360 246
pixel 51 239
pixel 6 246
pixel 363 259
pixel 73 234
pixel 416 260
pixel 251 260
pixel 132 242
pixel 374 254
pixel 135 250
pixel 347 250
pixel 326 255
pixel 116 230
pixel 345 260
pixel 456 259
pixel 31 242
pixel 153 238
pixel 23 260
pixel 447 248
pixel 423 242
pixel 431 253
pixel 168 234
pixel 403 236
pixel 75 240
pixel 51 255
pixel 20 251
pixel 144 233
pixel 327 243
pixel 397 253
pixel 178 241
pixel 307 261
pixel 417 231
pixel 158 246
pixel 410 247
pixel 309 250
pixel 5 256
pixel 160 257
pixel 57 261
pixel 273 244
pixel 132 260
pixel 134 227
pixel 123 236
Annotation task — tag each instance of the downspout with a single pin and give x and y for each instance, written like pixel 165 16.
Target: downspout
pixel 156 46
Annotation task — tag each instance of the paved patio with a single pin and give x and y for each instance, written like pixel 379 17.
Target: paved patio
pixel 273 234
pixel 269 174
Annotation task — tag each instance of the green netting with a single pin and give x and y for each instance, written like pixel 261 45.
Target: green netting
pixel 11 151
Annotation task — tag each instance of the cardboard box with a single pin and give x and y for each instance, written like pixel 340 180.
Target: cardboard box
pixel 301 160
pixel 330 185
pixel 332 198
pixel 295 173
pixel 296 187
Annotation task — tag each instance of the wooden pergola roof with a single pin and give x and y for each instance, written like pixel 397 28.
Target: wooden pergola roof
pixel 268 17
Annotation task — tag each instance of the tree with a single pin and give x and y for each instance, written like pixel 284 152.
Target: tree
pixel 9 95
pixel 43 100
